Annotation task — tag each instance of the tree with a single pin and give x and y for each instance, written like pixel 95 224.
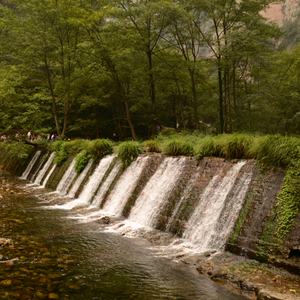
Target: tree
pixel 229 27
pixel 45 41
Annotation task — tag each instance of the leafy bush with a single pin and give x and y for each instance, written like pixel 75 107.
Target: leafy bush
pixel 81 161
pixel 64 149
pixel 167 131
pixel 61 156
pixel 128 152
pixel 99 148
pixel 17 150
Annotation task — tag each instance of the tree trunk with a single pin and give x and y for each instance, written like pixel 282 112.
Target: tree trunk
pixel 124 97
pixel 220 95
pixel 180 103
pixel 196 118
pixel 152 94
pixel 65 124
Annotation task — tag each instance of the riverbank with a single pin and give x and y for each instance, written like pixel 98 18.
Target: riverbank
pixel 237 274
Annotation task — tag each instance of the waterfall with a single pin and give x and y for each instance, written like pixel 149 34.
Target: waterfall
pixel 124 187
pixel 48 176
pixel 199 201
pixel 230 212
pixel 201 229
pixel 33 176
pixel 67 179
pixel 92 185
pixel 186 192
pixel 151 200
pixel 106 184
pixel 44 170
pixel 79 180
pixel 31 164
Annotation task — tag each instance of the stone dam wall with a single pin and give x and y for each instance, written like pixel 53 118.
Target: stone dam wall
pixel 253 233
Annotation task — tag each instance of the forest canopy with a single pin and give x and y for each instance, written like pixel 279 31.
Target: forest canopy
pixel 92 68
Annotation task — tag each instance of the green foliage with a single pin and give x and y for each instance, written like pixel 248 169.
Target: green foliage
pixel 168 131
pixel 233 146
pixel 244 211
pixel 204 147
pixel 81 161
pixel 289 199
pixel 128 152
pixel 99 148
pixel 178 147
pixel 61 156
pixel 274 150
pixel 17 150
pixel 152 146
pixel 64 149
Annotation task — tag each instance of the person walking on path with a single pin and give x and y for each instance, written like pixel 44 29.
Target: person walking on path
pixel 29 135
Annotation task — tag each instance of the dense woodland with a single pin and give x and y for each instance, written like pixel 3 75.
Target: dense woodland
pixel 95 67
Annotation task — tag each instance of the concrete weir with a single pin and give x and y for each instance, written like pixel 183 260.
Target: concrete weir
pixel 210 206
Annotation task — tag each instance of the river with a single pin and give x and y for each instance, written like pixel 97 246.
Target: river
pixel 52 256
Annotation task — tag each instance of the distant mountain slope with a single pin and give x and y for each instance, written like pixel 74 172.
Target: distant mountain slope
pixel 287 16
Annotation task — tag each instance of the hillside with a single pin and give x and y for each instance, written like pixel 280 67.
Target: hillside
pixel 287 16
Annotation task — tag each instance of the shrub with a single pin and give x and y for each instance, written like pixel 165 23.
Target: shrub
pixel 99 148
pixel 17 150
pixel 275 150
pixel 178 147
pixel 205 147
pixel 81 161
pixel 64 149
pixel 233 146
pixel 167 131
pixel 128 152
pixel 152 146
pixel 61 156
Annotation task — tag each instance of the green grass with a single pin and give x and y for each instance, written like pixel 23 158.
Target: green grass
pixel 98 148
pixel 128 151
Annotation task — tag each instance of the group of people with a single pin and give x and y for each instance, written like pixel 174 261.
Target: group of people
pixel 52 137
pixel 31 136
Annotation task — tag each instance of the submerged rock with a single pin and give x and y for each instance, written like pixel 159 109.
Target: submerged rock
pixel 6 282
pixel 104 220
pixel 4 241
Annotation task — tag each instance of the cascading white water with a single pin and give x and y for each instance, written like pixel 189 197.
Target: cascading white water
pixel 201 229
pixel 186 192
pixel 31 164
pixel 44 170
pixel 230 212
pixel 48 176
pixel 150 202
pixel 32 178
pixel 106 184
pixel 79 180
pixel 124 187
pixel 67 179
pixel 92 185
pixel 208 227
